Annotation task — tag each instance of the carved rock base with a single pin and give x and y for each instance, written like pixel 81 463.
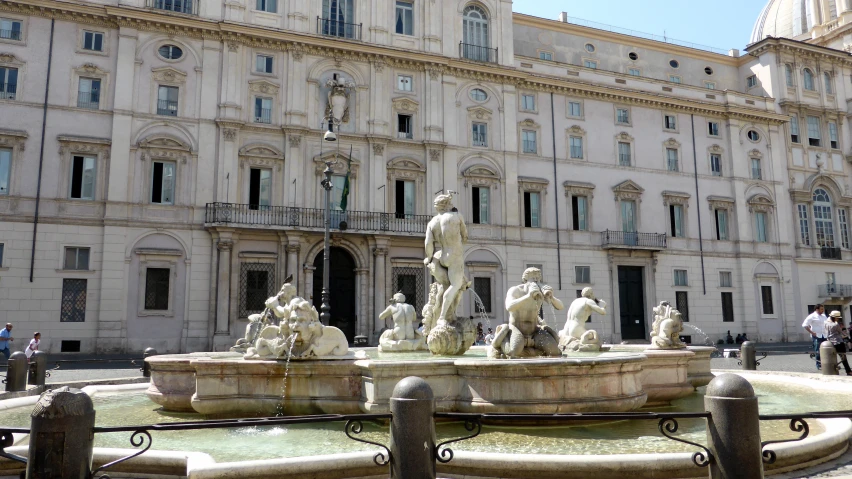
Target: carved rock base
pixel 589 344
pixel 387 343
pixel 452 339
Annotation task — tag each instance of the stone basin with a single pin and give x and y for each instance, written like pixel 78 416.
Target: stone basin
pixel 224 384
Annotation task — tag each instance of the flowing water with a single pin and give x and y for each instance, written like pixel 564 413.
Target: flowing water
pixel 483 315
pixel 706 339
pixel 292 339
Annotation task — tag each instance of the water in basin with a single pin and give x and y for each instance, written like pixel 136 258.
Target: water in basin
pixel 247 443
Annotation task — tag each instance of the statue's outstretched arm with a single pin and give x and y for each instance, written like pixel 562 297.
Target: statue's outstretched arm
pixel 513 300
pixel 596 308
pixel 557 304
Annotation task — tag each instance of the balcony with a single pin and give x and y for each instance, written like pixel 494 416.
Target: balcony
pixel 630 240
pixel 10 34
pixel 7 92
pixel 835 290
pixel 88 101
pixel 827 252
pixel 263 115
pixel 336 28
pixel 477 53
pixel 312 219
pixel 177 6
pixel 167 107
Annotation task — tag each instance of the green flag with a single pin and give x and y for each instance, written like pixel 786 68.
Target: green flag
pixel 344 200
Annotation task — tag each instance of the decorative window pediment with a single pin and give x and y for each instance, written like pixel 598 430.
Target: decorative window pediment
pixel 479 113
pixel 671 143
pixel 264 87
pixel 84 144
pixel 720 202
pixel 715 150
pixel 405 169
pixel 578 188
pixel 755 154
pixel 164 147
pixel 339 165
pixel 89 70
pixel 13 139
pixel 405 105
pixel 480 175
pixel 623 136
pixel 168 75
pixel 627 190
pixel 10 59
pixel 576 130
pixel 760 203
pixel 258 154
pixel 527 183
pixel 529 123
pixel 675 198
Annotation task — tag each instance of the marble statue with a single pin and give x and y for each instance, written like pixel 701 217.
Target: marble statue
pixel 668 324
pixel 276 307
pixel 574 336
pixel 527 335
pixel 338 99
pixel 450 335
pixel 403 336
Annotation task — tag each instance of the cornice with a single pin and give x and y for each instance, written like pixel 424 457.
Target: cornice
pixel 801 49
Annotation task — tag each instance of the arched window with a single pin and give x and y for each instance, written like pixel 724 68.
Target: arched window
pixel 827 77
pixel 788 73
pixel 823 218
pixel 476 42
pixel 809 80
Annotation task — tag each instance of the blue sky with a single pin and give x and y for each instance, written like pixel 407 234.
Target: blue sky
pixel 723 24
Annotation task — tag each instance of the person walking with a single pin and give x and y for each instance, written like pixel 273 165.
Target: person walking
pixel 33 346
pixel 834 333
pixel 5 339
pixel 814 324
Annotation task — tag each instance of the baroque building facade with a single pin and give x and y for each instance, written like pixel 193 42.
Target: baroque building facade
pixel 160 166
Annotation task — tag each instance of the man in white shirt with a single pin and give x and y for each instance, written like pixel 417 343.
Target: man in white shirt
pixel 814 324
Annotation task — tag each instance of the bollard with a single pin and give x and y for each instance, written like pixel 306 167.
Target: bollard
pixel 747 356
pixel 412 436
pixel 37 369
pixel 733 430
pixel 61 436
pixel 16 374
pixel 828 357
pixel 146 367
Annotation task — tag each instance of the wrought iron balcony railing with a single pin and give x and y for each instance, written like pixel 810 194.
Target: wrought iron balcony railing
pixel 628 239
pixel 477 53
pixel 87 100
pixel 337 28
pixel 829 252
pixel 8 93
pixel 177 6
pixel 264 115
pixel 10 34
pixel 835 290
pixel 294 217
pixel 167 107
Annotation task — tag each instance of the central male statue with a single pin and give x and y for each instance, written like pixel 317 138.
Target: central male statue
pixel 527 335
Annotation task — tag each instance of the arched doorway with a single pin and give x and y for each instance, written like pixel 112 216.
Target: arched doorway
pixel 341 282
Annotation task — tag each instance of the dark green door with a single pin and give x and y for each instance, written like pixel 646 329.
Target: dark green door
pixel 341 290
pixel 631 302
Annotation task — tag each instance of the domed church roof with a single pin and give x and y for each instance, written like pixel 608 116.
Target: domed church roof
pixel 784 18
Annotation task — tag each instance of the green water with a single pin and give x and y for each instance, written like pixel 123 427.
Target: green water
pixel 624 437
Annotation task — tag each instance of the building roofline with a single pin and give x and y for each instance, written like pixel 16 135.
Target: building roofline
pixel 757 46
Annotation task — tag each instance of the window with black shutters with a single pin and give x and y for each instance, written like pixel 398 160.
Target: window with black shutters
pixel 256 285
pixel 157 289
pixel 766 300
pixel 254 188
pixel 477 217
pixel 73 308
pixel 728 307
pixel 410 282
pixel 682 300
pixel 482 287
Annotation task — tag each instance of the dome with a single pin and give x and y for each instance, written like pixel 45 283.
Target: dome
pixel 783 18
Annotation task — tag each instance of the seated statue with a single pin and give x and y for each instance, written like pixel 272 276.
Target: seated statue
pixel 668 324
pixel 403 336
pixel 574 336
pixel 276 306
pixel 527 335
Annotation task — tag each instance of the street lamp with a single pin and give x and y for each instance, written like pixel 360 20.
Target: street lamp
pixel 325 307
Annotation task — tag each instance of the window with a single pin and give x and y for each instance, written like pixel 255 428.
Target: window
pixel 756 174
pixel 337 184
pixel 809 80
pixel 481 200
pixel 713 128
pixel 69 346
pixel 482 288
pixel 163 183
pixel 582 274
pixel 10 29
pixel 404 196
pixel 477 94
pixel 832 134
pixel 532 209
pixel 270 6
pixel 676 220
pixel 624 158
pixel 580 212
pixel 669 122
pixel 480 134
pixel 89 93
pixel 671 159
pixel 167 100
pixel 404 83
pixel 180 6
pixel 804 225
pixel 576 143
pixel 710 85
pixel 157 289
pixel 82 178
pixel 76 259
pixel 73 309
pixel 681 278
pixel 727 307
pixel 590 48
pixel 8 83
pixel 682 304
pixel 590 64
pixel 725 279
pixel 823 218
pixel 674 79
pixel 263 64
pixel 794 129
pixel 814 136
pixel 826 76
pixel 409 281
pixel 766 300
pixel 708 70
pixel 93 41
pixel 622 116
pixel 751 81
pixel 545 56
pixel 628 216
pixel 760 227
pixel 475 34
pixel 788 75
pixel 256 284
pixel 338 18
pixel 405 129
pixel 575 109
pixel 262 110
pixel 529 141
pixel 716 164
pixel 721 224
pixel 404 18
pixel 634 72
pixel 633 56
pixel 753 135
pixel 5 170
pixel 260 188
pixel 170 52
pixel 674 63
pixel 528 102
pixel 844 227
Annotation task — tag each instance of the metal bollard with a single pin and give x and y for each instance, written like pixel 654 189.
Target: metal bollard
pixel 61 437
pixel 146 367
pixel 747 356
pixel 733 430
pixel 412 436
pixel 38 368
pixel 828 357
pixel 16 374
